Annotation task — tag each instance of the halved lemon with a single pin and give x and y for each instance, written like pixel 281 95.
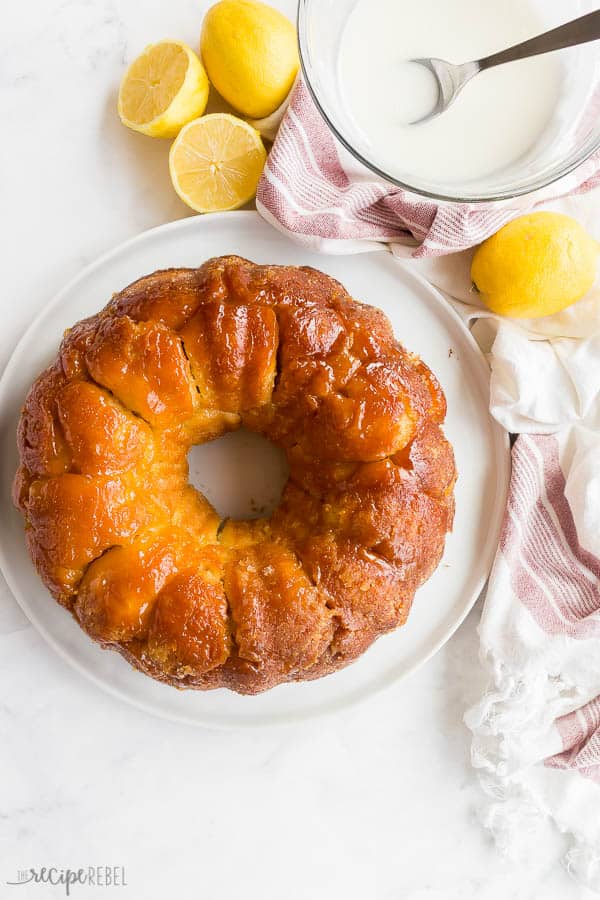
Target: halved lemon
pixel 215 163
pixel 163 89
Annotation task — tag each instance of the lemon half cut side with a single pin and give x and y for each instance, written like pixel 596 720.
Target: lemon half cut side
pixel 163 89
pixel 216 162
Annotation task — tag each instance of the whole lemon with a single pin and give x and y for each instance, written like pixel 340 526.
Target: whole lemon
pixel 535 266
pixel 250 53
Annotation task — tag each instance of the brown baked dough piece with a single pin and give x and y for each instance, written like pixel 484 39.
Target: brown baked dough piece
pixel 140 558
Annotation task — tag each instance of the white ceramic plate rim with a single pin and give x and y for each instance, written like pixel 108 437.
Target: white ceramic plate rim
pixel 502 448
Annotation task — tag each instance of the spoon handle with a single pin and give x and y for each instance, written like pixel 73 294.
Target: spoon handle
pixel 579 31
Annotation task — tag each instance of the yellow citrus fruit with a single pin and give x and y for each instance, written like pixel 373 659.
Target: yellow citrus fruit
pixel 251 55
pixel 215 163
pixel 165 87
pixel 535 266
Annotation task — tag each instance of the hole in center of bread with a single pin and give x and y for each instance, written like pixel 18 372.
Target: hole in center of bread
pixel 242 474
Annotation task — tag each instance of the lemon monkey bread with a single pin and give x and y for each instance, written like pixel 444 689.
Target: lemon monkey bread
pixel 142 560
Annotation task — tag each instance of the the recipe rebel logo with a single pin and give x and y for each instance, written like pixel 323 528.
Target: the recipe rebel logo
pixel 93 876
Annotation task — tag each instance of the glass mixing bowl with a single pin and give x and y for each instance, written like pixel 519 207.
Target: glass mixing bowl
pixel 570 137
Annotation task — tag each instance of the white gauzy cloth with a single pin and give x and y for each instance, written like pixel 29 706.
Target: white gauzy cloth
pixel 536 731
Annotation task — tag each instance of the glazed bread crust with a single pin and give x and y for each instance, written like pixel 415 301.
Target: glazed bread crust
pixel 142 560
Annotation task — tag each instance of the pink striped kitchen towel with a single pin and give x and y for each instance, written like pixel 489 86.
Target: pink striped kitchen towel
pixel 536 728
pixel 314 190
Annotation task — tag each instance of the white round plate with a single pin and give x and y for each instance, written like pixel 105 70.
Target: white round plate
pixel 425 323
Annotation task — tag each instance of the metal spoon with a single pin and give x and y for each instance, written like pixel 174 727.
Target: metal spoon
pixel 451 78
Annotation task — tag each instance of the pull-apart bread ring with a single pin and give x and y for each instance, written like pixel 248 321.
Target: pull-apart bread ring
pixel 140 557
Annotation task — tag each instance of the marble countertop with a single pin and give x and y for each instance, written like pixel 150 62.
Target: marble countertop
pixel 378 802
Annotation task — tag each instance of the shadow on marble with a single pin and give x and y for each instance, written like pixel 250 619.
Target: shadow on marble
pixel 465 681
pixel 146 161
